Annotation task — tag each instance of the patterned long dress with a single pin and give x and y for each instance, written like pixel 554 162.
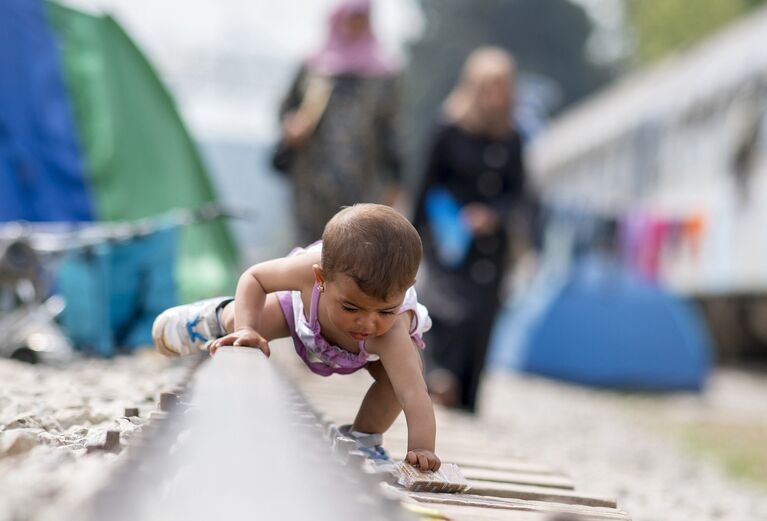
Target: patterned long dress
pixel 352 153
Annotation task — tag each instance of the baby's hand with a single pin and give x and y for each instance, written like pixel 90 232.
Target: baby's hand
pixel 246 337
pixel 424 459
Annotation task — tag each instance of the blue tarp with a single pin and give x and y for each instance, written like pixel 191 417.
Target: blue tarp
pixel 605 326
pixel 41 173
pixel 115 291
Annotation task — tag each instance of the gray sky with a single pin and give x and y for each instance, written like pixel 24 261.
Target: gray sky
pixel 228 62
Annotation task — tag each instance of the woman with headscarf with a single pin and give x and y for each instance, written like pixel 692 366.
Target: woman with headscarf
pixel 475 158
pixel 340 121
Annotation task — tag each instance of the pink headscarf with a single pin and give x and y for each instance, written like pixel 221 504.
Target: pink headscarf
pixel 340 55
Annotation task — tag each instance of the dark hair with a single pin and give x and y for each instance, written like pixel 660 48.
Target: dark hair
pixel 375 246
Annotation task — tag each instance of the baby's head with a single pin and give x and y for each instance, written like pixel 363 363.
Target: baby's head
pixel 373 245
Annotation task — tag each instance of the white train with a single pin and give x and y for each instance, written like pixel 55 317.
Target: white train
pixel 680 151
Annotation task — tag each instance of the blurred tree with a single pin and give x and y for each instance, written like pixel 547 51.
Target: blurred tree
pixel 662 26
pixel 547 37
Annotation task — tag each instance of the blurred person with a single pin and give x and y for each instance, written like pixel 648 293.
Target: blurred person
pixel 339 121
pixel 348 303
pixel 476 159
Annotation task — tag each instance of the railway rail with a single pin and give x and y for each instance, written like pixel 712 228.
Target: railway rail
pixel 243 439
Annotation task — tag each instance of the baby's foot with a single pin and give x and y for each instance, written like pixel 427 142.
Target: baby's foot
pixel 187 329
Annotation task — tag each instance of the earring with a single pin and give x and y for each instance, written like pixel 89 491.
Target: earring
pixel 321 287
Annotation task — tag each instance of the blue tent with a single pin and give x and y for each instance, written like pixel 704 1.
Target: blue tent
pixel 88 132
pixel 603 325
pixel 41 171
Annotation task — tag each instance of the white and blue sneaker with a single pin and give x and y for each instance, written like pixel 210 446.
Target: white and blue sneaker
pixel 189 328
pixel 370 445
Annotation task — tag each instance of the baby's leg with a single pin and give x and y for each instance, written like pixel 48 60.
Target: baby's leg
pixel 273 323
pixel 380 407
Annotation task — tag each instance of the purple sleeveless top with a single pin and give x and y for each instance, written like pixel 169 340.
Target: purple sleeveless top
pixel 327 359
pixel 320 356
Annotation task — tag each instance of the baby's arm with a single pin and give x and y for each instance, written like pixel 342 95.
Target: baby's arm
pixel 402 363
pixel 285 274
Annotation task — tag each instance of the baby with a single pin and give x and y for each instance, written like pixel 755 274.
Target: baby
pixel 348 302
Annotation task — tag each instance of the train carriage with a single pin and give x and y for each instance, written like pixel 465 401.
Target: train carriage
pixel 682 149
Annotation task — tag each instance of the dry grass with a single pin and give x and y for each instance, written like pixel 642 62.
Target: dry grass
pixel 740 447
pixel 737 445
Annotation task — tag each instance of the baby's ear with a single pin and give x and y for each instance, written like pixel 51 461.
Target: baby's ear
pixel 319 276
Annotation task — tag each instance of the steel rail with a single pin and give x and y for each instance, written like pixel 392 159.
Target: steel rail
pixel 244 446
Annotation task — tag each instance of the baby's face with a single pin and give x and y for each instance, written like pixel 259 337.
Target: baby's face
pixel 357 314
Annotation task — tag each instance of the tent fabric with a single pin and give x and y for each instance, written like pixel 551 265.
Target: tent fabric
pixel 121 288
pixel 88 132
pixel 41 172
pixel 606 326
pixel 140 159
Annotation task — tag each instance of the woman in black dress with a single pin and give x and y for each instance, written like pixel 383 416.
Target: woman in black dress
pixel 476 156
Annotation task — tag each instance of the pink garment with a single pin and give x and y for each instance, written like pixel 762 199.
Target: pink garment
pixel 642 240
pixel 339 55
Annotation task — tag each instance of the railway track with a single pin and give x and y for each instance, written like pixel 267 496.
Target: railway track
pixel 244 440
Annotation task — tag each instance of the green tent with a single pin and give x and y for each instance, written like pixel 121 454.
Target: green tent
pixel 140 160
